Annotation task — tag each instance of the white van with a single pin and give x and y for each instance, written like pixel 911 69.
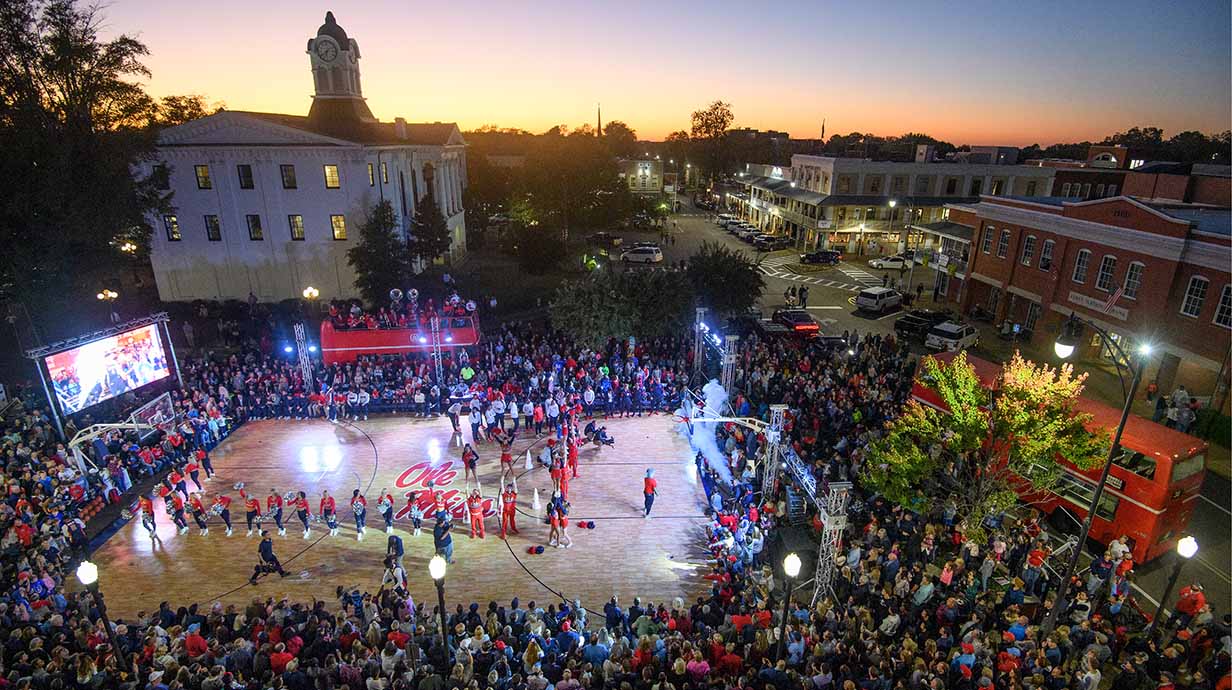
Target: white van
pixel 951 336
pixel 878 299
pixel 642 255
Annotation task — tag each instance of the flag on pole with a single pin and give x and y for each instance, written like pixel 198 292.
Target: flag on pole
pixel 1112 299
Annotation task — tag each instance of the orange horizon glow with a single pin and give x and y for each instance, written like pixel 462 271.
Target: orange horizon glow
pixel 538 65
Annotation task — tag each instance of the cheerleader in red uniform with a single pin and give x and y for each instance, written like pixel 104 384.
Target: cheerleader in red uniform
pixel 222 504
pixel 470 465
pixel 273 508
pixel 329 513
pixel 415 511
pixel 385 505
pixel 474 506
pixel 439 511
pixel 197 508
pixel 301 511
pixel 572 454
pixel 176 479
pixel 175 506
pixel 193 470
pixel 145 505
pixel 506 458
pixel 359 504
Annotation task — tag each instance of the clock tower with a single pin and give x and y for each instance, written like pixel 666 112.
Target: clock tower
pixel 335 75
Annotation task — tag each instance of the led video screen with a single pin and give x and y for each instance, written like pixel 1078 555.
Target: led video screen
pixel 103 369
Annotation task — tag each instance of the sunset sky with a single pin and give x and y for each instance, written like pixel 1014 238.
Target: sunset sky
pixel 1009 73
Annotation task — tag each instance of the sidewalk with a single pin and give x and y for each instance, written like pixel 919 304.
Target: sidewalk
pixel 1102 384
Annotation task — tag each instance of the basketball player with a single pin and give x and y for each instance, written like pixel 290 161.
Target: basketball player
pixel 359 504
pixel 509 509
pixel 273 508
pixel 474 507
pixel 252 508
pixel 197 508
pixel 329 513
pixel 224 507
pixel 301 511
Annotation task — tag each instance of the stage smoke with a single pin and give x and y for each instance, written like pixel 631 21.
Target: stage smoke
pixel 702 439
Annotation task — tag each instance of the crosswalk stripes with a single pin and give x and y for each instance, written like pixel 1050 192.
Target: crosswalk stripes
pixel 859 275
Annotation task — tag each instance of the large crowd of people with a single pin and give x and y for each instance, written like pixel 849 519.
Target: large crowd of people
pixel 914 605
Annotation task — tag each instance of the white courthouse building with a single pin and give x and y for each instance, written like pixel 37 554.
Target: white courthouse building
pixel 269 204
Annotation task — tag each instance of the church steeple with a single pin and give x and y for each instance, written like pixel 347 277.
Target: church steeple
pixel 599 127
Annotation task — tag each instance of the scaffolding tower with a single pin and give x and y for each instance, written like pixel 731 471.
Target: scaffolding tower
pixel 699 339
pixel 770 465
pixel 731 348
pixel 435 325
pixel 833 506
pixel 305 361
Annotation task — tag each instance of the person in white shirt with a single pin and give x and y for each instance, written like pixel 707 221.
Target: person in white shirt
pixel 455 409
pixel 498 411
pixel 421 404
pixel 514 413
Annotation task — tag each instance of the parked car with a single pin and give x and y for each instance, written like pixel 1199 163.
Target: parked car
pixel 798 320
pixel 605 239
pixel 725 219
pixel 952 336
pixel 642 255
pixel 889 262
pixel 747 233
pixel 918 322
pixel 639 245
pixel 769 243
pixel 768 328
pixel 825 257
pixel 878 299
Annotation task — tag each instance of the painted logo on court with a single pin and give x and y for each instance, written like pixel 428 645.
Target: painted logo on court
pixel 424 480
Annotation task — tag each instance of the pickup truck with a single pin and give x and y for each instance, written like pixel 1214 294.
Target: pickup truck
pixel 916 323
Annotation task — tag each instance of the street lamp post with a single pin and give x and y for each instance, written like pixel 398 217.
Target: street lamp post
pixel 791 568
pixel 436 568
pixel 1186 548
pixel 87 574
pixel 1067 342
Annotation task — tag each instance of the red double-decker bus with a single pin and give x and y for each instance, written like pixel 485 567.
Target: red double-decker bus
pixel 1154 482
pixel 345 344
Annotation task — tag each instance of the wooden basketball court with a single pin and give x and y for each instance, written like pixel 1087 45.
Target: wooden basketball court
pixel 626 555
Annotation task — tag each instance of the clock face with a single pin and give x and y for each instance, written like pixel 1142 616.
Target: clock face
pixel 326 50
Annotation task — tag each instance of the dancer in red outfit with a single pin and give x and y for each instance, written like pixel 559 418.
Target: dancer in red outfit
pixel 301 510
pixel 474 506
pixel 509 510
pixel 145 506
pixel 222 506
pixel 329 513
pixel 470 465
pixel 573 454
pixel 273 508
pixel 359 505
pixel 252 511
pixel 197 508
pixel 506 458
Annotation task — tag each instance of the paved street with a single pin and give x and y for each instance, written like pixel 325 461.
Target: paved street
pixel 830 292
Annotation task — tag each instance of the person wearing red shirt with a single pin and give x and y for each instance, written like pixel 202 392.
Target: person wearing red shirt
pixel 273 508
pixel 650 489
pixel 302 512
pixel 385 505
pixel 1192 601
pixel 203 458
pixel 474 507
pixel 359 504
pixel 177 480
pixel 252 508
pixel 194 643
pixel 175 506
pixel 506 457
pixel 557 472
pixel 197 508
pixel 573 455
pixel 329 512
pixel 398 637
pixel 193 470
pixel 145 505
pixel 279 659
pixel 222 504
pixel 509 508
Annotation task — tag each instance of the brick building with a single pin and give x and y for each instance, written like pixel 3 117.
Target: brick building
pixel 1034 262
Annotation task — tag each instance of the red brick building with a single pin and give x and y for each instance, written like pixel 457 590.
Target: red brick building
pixel 1034 262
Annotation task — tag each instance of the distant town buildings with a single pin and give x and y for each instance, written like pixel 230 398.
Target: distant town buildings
pixel 1146 271
pixel 269 204
pixel 644 176
pixel 825 201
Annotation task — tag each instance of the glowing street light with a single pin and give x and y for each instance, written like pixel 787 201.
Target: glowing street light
pixel 87 575
pixel 311 293
pixel 436 568
pixel 791 568
pixel 107 295
pixel 1186 548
